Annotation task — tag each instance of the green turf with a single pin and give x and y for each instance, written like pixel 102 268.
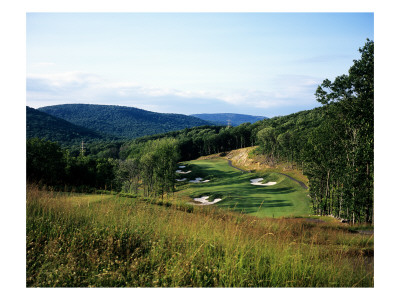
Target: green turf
pixel 286 198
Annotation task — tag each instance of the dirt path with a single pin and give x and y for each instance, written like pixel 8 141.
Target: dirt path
pixel 299 182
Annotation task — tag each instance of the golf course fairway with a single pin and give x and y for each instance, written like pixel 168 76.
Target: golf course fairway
pixel 285 198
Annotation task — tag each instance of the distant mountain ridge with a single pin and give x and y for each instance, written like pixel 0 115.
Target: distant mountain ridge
pixel 122 121
pixel 42 125
pixel 233 119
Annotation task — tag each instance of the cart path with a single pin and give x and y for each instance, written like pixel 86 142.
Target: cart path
pixel 230 164
pixel 302 184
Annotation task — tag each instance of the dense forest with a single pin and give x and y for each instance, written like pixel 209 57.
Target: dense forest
pixel 42 125
pixel 332 144
pixel 121 121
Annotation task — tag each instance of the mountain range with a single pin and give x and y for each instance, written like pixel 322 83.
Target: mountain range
pixel 72 123
pixel 229 118
pixel 121 121
pixel 45 126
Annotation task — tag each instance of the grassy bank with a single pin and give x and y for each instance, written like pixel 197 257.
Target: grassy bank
pixel 106 240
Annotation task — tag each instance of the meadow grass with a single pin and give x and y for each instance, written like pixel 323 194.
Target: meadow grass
pixel 78 240
pixel 286 198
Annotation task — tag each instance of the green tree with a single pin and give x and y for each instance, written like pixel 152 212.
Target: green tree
pixel 350 99
pixel 44 162
pixel 267 139
pixel 284 141
pixel 128 174
pixel 157 162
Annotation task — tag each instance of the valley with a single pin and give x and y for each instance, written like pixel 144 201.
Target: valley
pixel 122 197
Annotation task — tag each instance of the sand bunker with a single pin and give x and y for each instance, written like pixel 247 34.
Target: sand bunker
pixel 183 179
pixel 199 180
pixel 257 181
pixel 203 200
pixel 182 167
pixel 182 172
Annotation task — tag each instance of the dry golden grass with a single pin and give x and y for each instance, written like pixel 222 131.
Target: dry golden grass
pixel 79 240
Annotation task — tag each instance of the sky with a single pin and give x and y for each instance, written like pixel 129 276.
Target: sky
pixel 264 64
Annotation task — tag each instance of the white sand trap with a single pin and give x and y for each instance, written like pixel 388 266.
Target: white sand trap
pixel 199 180
pixel 203 200
pixel 182 167
pixel 182 172
pixel 257 181
pixel 183 179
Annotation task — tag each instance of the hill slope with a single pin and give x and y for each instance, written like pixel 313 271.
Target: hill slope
pixel 42 125
pixel 235 119
pixel 122 121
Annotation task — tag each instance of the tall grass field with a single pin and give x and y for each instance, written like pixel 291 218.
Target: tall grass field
pixel 81 240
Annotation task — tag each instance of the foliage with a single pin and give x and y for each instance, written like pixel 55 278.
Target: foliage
pixel 268 140
pixel 345 142
pixel 48 164
pixel 45 162
pixel 158 161
pixel 45 126
pixel 203 140
pixel 121 121
pixel 333 144
pixel 128 173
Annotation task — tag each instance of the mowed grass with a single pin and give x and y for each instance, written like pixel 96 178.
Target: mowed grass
pixel 286 198
pixel 125 242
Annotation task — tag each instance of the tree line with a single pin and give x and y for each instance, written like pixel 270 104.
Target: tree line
pixel 343 176
pixel 152 168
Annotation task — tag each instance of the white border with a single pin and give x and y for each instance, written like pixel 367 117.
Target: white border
pixel 12 24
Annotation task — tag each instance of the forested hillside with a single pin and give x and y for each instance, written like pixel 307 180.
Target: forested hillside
pixel 227 118
pixel 290 132
pixel 45 126
pixel 121 121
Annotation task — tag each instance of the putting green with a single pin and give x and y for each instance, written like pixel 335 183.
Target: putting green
pixel 286 198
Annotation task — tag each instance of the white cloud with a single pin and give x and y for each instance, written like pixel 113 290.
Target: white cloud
pixel 79 87
pixel 43 64
pixel 64 82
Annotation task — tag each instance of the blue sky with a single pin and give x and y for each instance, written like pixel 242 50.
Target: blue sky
pixel 254 63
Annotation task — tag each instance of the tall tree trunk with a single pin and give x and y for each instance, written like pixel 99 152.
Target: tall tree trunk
pixel 327 190
pixel 341 200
